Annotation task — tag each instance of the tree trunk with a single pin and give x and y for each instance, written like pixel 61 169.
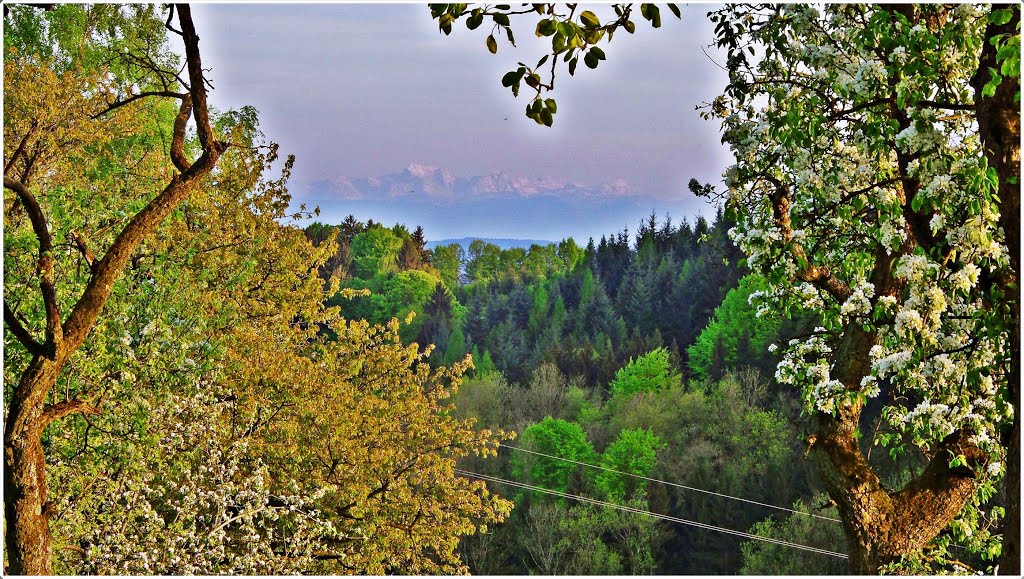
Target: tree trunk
pixel 26 510
pixel 882 526
pixel 999 126
pixel 25 503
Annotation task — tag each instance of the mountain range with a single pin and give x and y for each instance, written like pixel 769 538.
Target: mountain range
pixel 439 185
pixel 498 205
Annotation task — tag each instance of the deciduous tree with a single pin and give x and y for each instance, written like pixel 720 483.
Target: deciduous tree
pixel 867 196
pixel 58 118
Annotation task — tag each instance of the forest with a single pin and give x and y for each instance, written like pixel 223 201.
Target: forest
pixel 202 378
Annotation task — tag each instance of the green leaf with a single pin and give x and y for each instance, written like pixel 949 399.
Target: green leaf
pixel 509 79
pixel 501 19
pixel 655 16
pixel 598 52
pixel 629 26
pixel 589 19
pixel 542 60
pixel 545 27
pixel 546 117
pixel 591 60
pixel 474 21
pixel 572 65
pixel 492 44
pixel 990 87
pixel 917 202
pixel 558 42
pixel 550 104
pixel 675 10
pixel 1000 17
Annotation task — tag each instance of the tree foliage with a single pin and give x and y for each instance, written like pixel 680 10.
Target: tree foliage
pixel 634 452
pixel 864 193
pixel 648 373
pixel 558 438
pixel 215 414
pixel 575 35
pixel 736 335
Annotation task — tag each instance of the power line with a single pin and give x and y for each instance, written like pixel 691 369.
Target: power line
pixel 652 514
pixel 795 511
pixel 664 482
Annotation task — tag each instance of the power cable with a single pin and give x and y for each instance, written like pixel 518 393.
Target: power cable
pixel 651 514
pixel 664 482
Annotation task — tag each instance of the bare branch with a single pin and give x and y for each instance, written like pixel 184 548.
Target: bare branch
pixel 947 105
pixel 20 151
pixel 170 16
pixel 197 82
pixel 79 242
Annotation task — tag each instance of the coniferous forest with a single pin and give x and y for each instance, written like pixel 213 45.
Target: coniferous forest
pixel 577 350
pixel 203 376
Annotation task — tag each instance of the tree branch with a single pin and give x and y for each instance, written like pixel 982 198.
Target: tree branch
pixel 66 408
pixel 178 136
pixel 54 333
pixel 20 151
pixel 934 497
pixel 946 105
pixel 142 95
pixel 197 82
pixel 819 276
pixel 79 242
pixel 21 333
pixel 109 268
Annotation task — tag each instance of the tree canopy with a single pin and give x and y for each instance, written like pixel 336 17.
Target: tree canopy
pixel 215 414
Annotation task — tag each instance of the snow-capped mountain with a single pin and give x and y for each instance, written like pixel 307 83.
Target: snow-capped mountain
pixel 425 182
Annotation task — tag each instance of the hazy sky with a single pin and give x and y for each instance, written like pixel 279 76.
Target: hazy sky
pixel 365 90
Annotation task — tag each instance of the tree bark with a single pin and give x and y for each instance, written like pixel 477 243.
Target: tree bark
pixel 999 126
pixel 26 510
pixel 25 492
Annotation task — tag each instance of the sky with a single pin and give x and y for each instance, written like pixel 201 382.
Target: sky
pixel 366 90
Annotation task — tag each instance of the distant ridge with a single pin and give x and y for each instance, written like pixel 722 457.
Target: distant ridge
pixel 502 243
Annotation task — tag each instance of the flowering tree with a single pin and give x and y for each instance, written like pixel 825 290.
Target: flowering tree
pixel 876 188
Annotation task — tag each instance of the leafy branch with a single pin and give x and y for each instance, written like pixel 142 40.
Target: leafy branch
pixel 573 35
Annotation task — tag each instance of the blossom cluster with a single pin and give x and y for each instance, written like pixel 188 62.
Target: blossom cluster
pixel 806 130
